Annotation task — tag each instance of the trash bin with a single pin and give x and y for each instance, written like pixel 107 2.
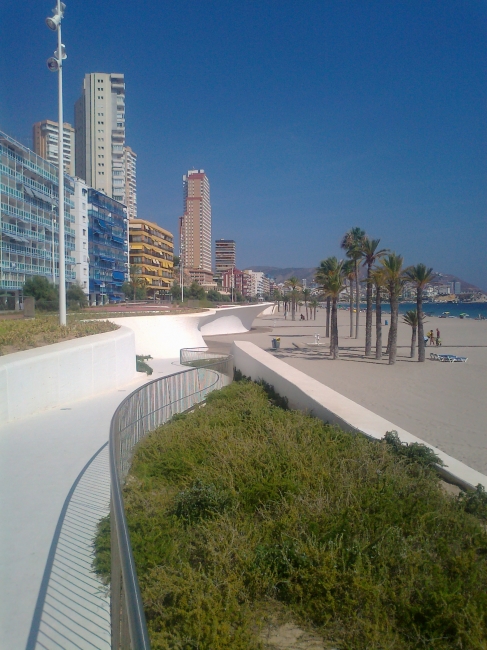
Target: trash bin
pixel 276 343
pixel 387 322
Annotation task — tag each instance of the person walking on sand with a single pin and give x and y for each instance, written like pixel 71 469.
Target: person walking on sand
pixel 438 338
pixel 432 337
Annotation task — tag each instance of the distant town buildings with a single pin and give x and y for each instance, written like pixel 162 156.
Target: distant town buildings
pixel 151 251
pixel 99 117
pixel 225 255
pixel 45 136
pixel 234 281
pixel 195 227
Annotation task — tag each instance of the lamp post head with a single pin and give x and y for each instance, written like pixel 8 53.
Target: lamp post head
pixel 54 21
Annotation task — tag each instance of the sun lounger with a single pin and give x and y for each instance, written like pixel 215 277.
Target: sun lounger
pixel 451 358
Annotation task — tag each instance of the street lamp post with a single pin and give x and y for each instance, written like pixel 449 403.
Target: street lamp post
pixel 55 64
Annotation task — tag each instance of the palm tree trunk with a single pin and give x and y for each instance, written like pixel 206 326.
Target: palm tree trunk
pixel 334 330
pixel 378 325
pixel 293 309
pixel 357 299
pixel 328 310
pixel 419 309
pixel 368 316
pixel 413 342
pixel 393 330
pixel 351 308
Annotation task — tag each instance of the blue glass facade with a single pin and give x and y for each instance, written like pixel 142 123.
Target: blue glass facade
pixel 29 217
pixel 107 247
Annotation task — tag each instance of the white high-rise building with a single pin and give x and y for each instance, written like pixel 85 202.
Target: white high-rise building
pixel 45 136
pixel 99 118
pixel 131 182
pixel 195 227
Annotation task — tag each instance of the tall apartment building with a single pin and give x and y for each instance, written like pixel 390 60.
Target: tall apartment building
pixel 195 227
pixel 151 250
pixel 131 182
pixel 225 255
pixel 45 136
pixel 99 118
pixel 29 218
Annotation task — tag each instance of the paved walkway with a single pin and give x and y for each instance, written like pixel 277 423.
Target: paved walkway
pixel 40 458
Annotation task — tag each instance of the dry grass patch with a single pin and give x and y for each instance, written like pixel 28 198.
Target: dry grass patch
pixel 17 335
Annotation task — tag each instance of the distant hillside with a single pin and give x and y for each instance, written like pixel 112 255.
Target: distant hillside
pixel 281 275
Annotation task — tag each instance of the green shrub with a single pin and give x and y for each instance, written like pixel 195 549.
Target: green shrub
pixel 241 506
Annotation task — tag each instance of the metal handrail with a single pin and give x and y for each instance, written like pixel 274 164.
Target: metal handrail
pixel 141 412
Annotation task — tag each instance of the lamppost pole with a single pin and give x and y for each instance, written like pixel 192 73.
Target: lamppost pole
pixel 56 65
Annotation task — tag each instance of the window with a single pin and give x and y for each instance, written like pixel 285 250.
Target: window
pixel 84 244
pixel 101 122
pixel 84 232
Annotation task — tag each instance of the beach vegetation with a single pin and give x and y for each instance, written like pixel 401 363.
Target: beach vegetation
pixel 411 319
pixel 420 275
pixel 241 511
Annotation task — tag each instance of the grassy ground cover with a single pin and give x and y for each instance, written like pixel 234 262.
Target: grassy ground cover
pixel 19 334
pixel 243 513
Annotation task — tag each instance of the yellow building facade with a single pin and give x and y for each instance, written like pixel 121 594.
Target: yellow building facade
pixel 151 250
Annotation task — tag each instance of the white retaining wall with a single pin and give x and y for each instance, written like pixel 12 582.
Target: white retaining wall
pixel 58 374
pixel 307 394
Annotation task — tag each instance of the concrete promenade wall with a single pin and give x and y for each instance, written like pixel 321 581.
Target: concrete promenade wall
pixel 58 374
pixel 163 336
pixel 307 394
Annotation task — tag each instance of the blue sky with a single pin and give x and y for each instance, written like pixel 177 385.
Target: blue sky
pixel 309 117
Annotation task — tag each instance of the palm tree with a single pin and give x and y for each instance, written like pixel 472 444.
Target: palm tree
pixel 411 318
pixel 320 276
pixel 420 275
pixel 306 293
pixel 352 243
pixel 349 271
pixel 379 283
pixel 370 255
pixel 313 304
pixel 394 279
pixel 333 284
pixel 277 295
pixel 293 284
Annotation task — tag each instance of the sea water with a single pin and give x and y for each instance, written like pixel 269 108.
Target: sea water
pixel 473 309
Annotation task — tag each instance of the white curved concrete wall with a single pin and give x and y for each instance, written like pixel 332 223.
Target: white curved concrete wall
pixel 58 374
pixel 231 320
pixel 163 336
pixel 307 394
pixel 268 311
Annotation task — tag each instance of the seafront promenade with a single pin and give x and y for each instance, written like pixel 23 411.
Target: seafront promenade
pixel 40 458
pixel 443 404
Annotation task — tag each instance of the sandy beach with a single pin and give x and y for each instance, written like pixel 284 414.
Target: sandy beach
pixel 445 404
